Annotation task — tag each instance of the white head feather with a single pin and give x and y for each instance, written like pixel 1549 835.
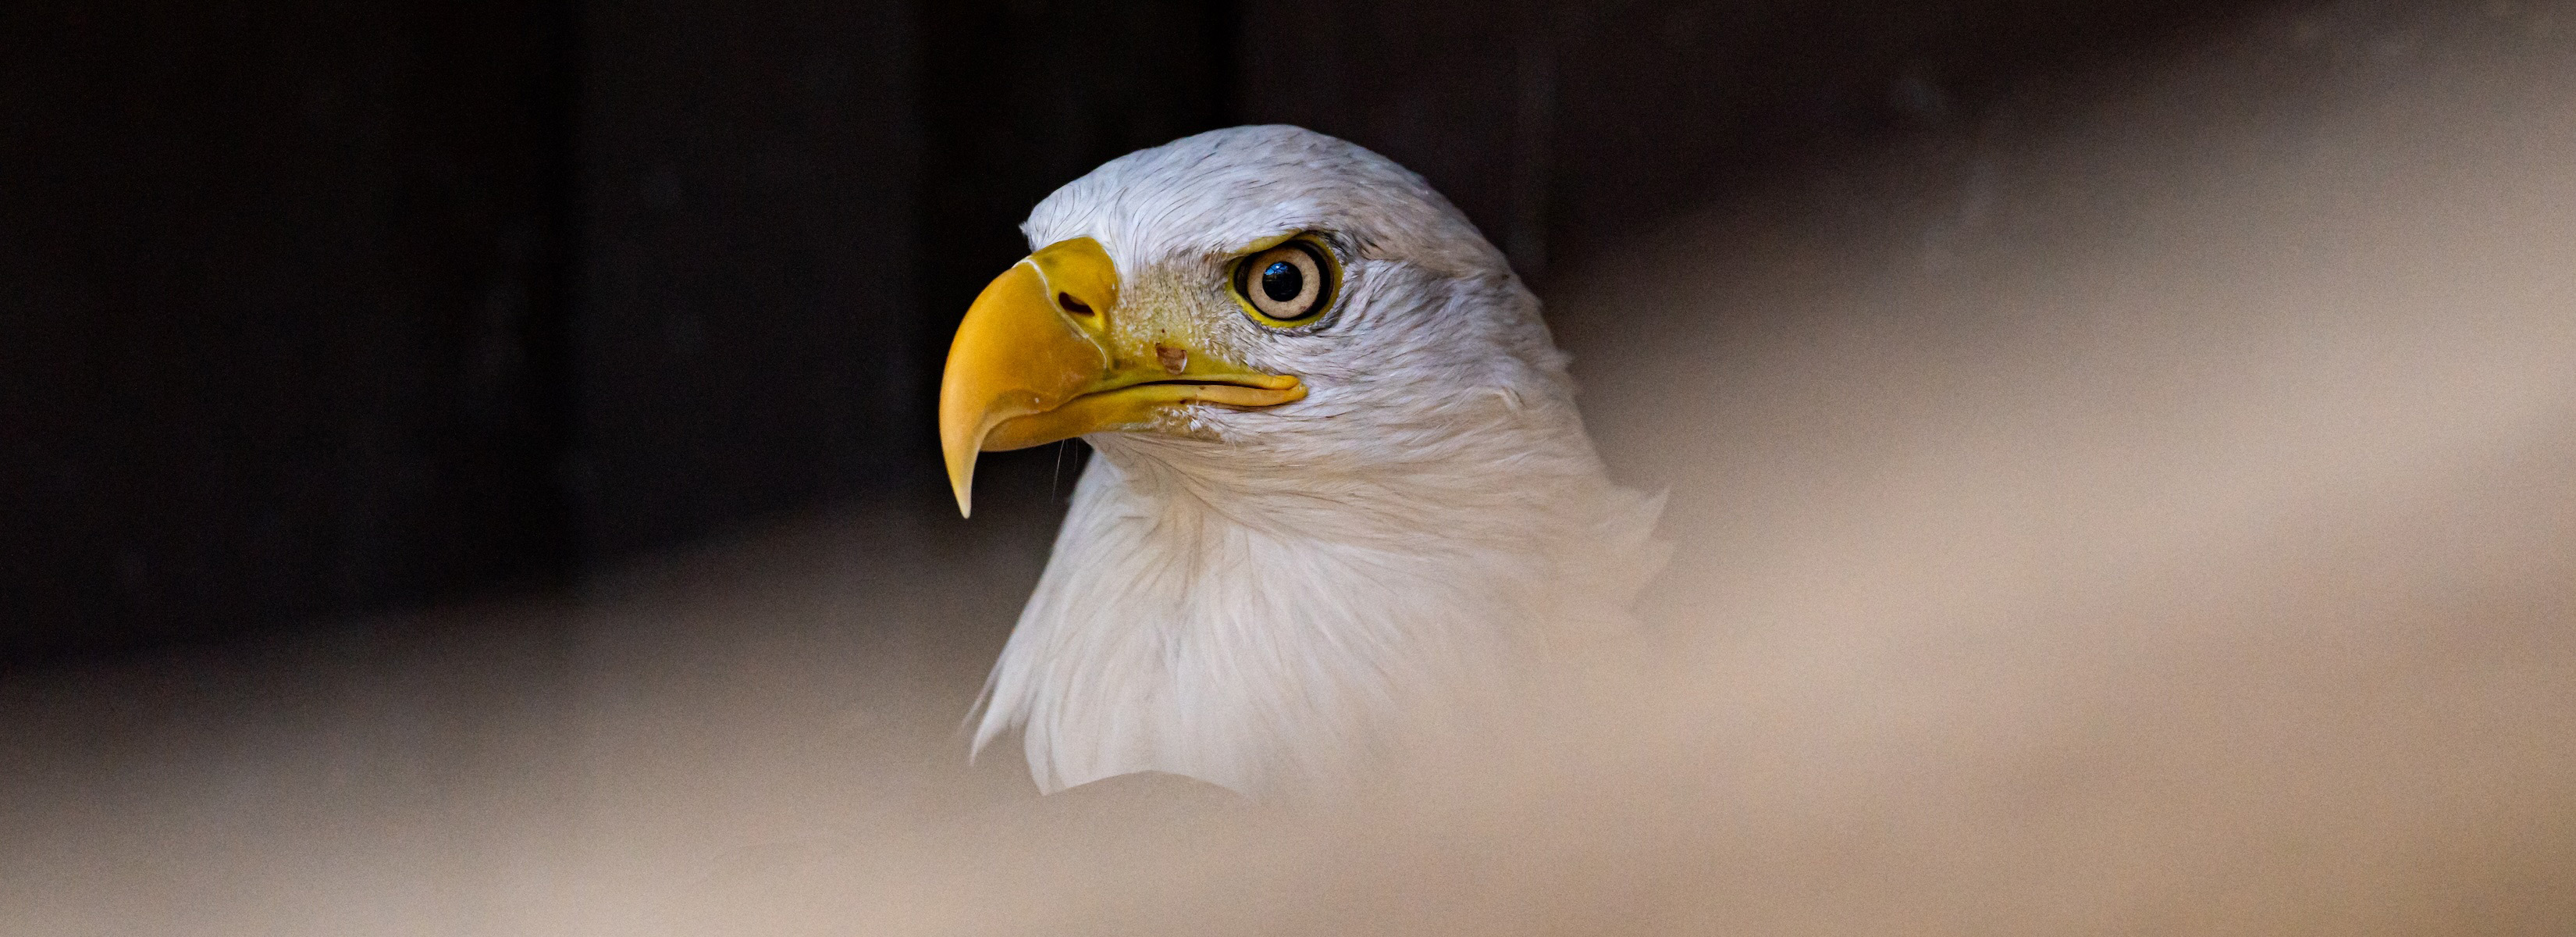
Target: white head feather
pixel 1254 597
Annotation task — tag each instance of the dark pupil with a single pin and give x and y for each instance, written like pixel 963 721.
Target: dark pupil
pixel 1281 281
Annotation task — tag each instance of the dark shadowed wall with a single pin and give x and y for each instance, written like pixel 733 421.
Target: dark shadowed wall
pixel 311 309
pixel 743 340
pixel 281 310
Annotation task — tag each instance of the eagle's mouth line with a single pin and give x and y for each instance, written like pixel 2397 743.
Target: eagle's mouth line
pixel 1235 392
pixel 1179 382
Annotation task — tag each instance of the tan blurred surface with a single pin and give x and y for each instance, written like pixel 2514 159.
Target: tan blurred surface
pixel 2162 521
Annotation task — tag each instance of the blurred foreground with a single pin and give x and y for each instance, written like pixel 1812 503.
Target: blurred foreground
pixel 2165 522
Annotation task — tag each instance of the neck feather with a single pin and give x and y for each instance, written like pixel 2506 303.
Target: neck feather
pixel 1264 619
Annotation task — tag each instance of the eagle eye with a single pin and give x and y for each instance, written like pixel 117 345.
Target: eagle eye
pixel 1287 286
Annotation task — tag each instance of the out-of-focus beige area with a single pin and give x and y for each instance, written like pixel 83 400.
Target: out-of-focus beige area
pixel 2164 521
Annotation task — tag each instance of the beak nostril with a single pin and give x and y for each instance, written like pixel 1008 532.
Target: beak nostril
pixel 1072 305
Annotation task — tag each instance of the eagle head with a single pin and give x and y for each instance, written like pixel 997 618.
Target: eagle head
pixel 1342 483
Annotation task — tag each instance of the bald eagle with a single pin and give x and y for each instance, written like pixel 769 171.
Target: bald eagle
pixel 1341 479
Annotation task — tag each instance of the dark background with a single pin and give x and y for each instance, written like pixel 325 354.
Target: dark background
pixel 310 309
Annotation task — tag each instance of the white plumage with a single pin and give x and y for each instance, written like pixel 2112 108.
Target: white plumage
pixel 1259 597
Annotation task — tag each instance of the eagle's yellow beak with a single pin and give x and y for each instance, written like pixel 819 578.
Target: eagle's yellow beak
pixel 1041 357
